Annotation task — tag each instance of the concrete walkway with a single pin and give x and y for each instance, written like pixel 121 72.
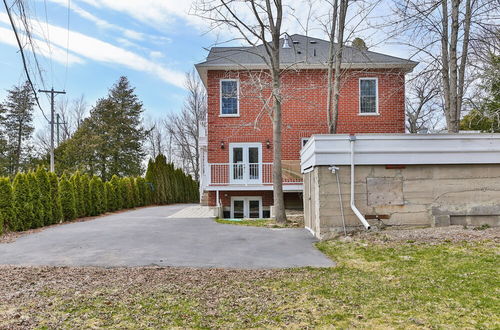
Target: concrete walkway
pixel 149 237
pixel 195 211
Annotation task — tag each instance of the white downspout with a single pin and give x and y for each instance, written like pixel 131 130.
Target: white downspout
pixel 361 218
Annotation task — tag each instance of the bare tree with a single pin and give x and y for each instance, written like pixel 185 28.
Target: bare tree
pixel 422 103
pixel 184 128
pixel 258 22
pixel 71 115
pixel 441 31
pixel 155 137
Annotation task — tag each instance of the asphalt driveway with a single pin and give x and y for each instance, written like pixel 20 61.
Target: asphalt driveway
pixel 148 237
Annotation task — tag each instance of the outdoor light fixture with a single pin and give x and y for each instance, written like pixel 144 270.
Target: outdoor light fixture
pixel 268 144
pixel 222 146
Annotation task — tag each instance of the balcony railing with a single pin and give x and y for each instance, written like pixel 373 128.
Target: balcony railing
pixel 248 173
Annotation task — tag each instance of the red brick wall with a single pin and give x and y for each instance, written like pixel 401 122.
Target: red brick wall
pixel 225 196
pixel 304 114
pixel 304 111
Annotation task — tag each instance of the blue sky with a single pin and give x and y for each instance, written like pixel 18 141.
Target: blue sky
pixel 152 42
pixel 153 51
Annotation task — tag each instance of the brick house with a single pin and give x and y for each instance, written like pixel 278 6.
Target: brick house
pixel 236 150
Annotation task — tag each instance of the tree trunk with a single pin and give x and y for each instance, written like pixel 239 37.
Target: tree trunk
pixel 454 113
pixel 279 201
pixel 445 70
pixel 338 62
pixel 331 54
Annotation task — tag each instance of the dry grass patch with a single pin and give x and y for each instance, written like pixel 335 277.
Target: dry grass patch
pixel 378 283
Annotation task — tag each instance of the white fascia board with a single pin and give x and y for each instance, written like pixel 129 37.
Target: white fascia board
pixel 402 149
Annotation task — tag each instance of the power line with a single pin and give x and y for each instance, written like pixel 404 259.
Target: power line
pixel 21 50
pixel 67 45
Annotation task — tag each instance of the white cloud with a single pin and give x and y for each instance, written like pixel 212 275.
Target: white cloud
pixel 56 53
pixel 104 52
pixel 156 54
pixel 100 22
pixel 152 12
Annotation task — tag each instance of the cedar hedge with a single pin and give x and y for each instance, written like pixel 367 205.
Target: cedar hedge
pixel 39 198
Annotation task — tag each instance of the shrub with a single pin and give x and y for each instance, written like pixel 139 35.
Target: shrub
pixel 85 188
pixel 55 200
pixel 6 204
pixel 129 193
pixel 140 183
pixel 23 209
pixel 95 196
pixel 42 178
pixel 67 194
pixel 110 196
pixel 123 193
pixel 117 202
pixel 38 207
pixel 76 180
pixel 102 193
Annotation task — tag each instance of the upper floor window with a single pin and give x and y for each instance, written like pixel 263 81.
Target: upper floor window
pixel 303 142
pixel 368 96
pixel 229 97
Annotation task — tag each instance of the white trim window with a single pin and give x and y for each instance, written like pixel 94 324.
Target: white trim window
pixel 368 96
pixel 246 207
pixel 229 98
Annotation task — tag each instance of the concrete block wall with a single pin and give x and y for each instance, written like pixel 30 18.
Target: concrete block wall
pixel 413 195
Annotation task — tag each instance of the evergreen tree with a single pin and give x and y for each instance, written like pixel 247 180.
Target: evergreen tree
pixel 36 201
pixel 76 179
pixel 110 196
pixel 151 180
pixel 95 196
pixel 4 159
pixel 23 208
pixel 124 192
pixel 135 192
pixel 102 194
pixel 110 140
pixel 6 205
pixel 85 188
pixel 117 202
pixel 141 191
pixel 67 193
pixel 18 126
pixel 55 200
pixel 45 199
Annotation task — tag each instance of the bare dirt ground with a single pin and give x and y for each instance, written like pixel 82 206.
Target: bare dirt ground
pixel 150 297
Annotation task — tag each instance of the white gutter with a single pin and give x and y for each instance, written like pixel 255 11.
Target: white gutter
pixel 361 218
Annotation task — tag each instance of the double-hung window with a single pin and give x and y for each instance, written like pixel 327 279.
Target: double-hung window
pixel 229 97
pixel 368 96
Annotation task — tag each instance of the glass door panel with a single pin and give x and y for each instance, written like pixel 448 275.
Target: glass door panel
pixel 237 164
pixel 254 209
pixel 238 209
pixel 253 163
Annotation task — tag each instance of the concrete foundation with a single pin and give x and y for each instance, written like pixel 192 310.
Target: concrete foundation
pixel 411 195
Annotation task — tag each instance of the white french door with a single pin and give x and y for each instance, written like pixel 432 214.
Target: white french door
pixel 245 163
pixel 246 207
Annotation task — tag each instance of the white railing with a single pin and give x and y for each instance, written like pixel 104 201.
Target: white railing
pixel 247 173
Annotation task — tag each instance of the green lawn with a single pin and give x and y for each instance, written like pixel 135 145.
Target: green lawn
pixel 375 285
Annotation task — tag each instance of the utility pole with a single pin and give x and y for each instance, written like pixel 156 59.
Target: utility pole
pixel 52 113
pixel 57 124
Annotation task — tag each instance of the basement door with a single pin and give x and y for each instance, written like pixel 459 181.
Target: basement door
pixel 246 207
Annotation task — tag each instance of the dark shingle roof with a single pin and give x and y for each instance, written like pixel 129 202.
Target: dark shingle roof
pixel 303 50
